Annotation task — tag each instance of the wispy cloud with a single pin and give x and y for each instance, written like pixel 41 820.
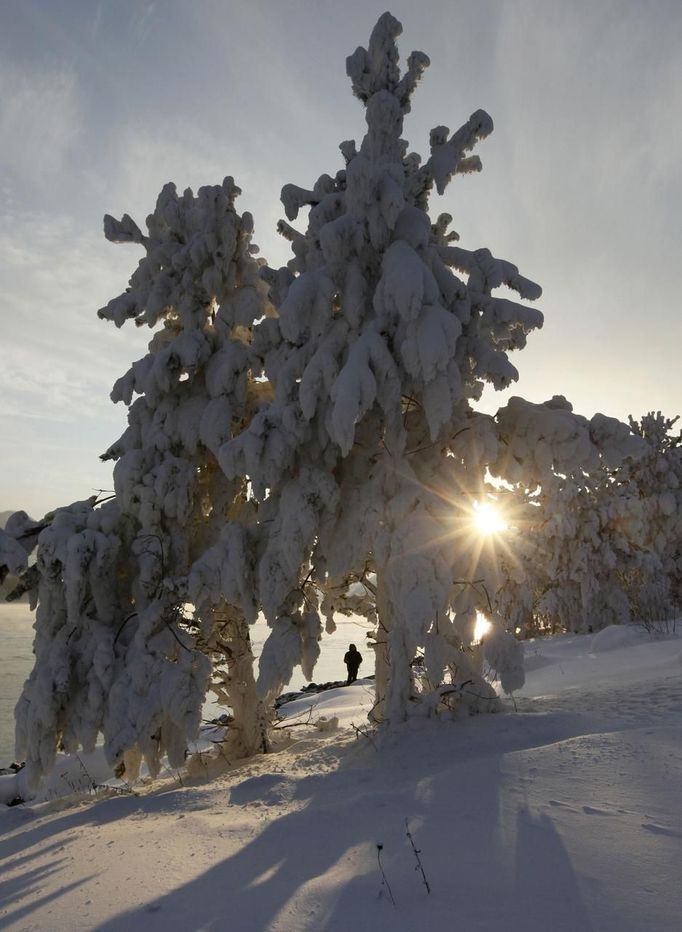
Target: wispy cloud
pixel 581 184
pixel 153 154
pixel 40 121
pixel 57 360
pixel 57 356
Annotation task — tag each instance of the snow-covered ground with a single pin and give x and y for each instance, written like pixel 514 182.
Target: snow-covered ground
pixel 563 815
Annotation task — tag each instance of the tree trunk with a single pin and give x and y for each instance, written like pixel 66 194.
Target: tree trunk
pixel 382 660
pixel 248 731
pixel 393 680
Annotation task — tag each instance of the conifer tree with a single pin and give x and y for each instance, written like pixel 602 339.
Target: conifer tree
pixel 369 458
pixel 300 441
pixel 654 580
pixel 576 523
pixel 115 651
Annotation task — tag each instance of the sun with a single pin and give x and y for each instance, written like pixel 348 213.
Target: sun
pixel 488 519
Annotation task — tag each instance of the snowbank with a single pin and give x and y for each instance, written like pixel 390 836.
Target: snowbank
pixel 616 636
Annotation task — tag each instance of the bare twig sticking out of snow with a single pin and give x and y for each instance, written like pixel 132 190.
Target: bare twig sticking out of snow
pixel 88 775
pixel 306 721
pixel 384 878
pixel 417 852
pixel 365 734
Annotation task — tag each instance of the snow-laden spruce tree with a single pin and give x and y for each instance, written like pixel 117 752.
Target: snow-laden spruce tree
pixel 575 524
pixel 301 441
pixel 655 480
pixel 202 389
pixel 116 653
pixel 370 456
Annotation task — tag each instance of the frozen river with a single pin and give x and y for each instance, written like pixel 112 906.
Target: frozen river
pixel 16 660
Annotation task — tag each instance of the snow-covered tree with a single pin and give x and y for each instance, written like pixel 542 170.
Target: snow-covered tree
pixel 564 567
pixel 576 525
pixel 116 652
pixel 198 387
pixel 654 582
pixel 302 441
pixel 369 458
pixel 658 478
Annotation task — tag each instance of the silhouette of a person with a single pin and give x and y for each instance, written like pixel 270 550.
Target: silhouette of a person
pixel 353 659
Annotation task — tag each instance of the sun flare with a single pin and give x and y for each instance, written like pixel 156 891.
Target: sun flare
pixel 488 519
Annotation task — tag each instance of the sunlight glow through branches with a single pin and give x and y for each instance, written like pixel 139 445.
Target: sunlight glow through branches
pixel 488 519
pixel 482 627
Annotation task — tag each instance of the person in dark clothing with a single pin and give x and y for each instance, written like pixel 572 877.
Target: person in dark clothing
pixel 353 659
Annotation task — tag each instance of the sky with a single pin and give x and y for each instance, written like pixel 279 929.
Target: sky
pixel 102 103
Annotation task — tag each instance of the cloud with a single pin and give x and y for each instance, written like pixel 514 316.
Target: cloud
pixel 581 188
pixel 58 359
pixel 40 121
pixel 149 156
